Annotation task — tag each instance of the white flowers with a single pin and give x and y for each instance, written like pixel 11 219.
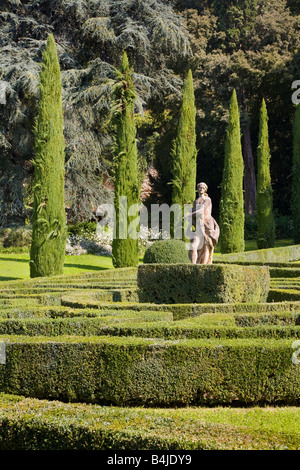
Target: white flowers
pixel 100 242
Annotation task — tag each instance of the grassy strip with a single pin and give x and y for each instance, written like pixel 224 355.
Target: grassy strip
pixel 271 255
pixel 123 370
pixel 32 424
pixel 16 265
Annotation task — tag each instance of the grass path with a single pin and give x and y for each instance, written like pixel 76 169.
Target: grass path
pixel 16 265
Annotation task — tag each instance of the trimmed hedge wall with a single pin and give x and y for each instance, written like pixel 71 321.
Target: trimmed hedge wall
pixel 181 311
pixel 180 283
pixel 155 325
pixel 284 272
pixel 127 371
pixel 279 295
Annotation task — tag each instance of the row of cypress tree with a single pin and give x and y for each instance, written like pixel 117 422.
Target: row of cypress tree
pixel 125 250
pixel 184 153
pixel 49 227
pixel 232 216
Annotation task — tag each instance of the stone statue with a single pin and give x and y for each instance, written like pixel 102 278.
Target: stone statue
pixel 204 242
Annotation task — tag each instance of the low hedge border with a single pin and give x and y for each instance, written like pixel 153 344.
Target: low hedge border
pixel 157 324
pixel 181 311
pixel 280 295
pixel 89 298
pixel 78 326
pixel 53 298
pixel 173 332
pixel 280 283
pixel 27 290
pixel 274 318
pixel 270 255
pixel 30 424
pixel 284 272
pixel 153 372
pixel 105 275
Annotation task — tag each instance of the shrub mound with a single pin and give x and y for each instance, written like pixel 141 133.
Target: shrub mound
pixel 180 283
pixel 166 252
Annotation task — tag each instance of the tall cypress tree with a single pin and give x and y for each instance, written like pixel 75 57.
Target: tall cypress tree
pixel 296 177
pixel 264 202
pixel 184 152
pixel 232 200
pixel 48 221
pixel 125 249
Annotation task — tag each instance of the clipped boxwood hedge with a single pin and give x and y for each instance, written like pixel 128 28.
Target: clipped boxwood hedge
pixel 180 283
pixel 31 424
pixel 166 252
pixel 279 295
pixel 180 311
pixel 153 325
pixel 154 372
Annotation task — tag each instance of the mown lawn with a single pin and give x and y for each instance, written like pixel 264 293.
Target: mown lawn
pixel 16 265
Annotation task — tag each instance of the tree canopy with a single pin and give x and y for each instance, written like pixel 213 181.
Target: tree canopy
pixel 248 45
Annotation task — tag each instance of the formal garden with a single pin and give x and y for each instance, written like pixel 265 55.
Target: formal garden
pixel 166 331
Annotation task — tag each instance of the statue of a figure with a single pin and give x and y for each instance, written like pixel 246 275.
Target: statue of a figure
pixel 203 244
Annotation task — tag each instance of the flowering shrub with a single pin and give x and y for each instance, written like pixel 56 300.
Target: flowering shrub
pixel 100 242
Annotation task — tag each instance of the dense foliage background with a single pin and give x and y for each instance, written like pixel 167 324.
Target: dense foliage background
pixel 249 45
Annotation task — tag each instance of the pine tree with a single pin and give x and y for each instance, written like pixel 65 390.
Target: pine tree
pixel 232 201
pixel 125 250
pixel 184 152
pixel 48 221
pixel 264 202
pixel 296 177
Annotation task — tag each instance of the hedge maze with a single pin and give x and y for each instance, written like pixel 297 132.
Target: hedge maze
pixel 86 364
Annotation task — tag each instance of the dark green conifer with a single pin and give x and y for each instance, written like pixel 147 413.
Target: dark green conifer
pixel 184 153
pixel 232 200
pixel 48 221
pixel 264 201
pixel 125 249
pixel 296 177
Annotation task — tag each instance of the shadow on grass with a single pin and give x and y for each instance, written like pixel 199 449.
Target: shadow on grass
pixel 6 278
pixel 17 260
pixel 86 266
